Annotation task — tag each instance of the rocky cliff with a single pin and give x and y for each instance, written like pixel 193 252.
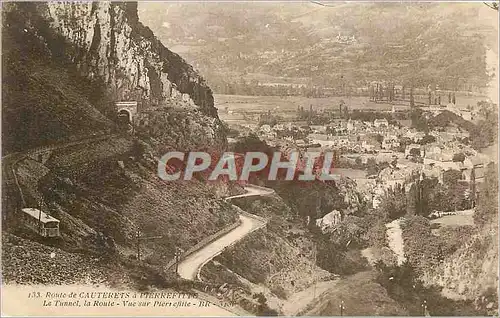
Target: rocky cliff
pixel 78 59
pixel 112 43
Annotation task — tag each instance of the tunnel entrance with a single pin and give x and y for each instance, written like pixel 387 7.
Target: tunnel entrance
pixel 124 116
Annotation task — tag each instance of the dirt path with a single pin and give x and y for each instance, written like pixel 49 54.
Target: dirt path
pixel 189 267
pixel 300 300
pixel 395 238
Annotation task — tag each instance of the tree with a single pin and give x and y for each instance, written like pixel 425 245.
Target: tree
pixel 485 132
pixel 346 112
pixel 263 309
pixel 486 109
pixel 415 152
pixel 393 205
pixel 394 162
pixel 427 139
pixel 411 200
pixel 138 149
pixel 451 177
pixel 412 99
pixel 251 143
pixel 419 121
pixel 459 157
pixel 429 192
pixel 454 191
pixel 358 161
pixel 371 167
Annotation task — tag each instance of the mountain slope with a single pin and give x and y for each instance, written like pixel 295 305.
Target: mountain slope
pixel 65 65
pixel 42 100
pixel 429 43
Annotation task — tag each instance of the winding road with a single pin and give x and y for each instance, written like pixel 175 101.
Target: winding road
pixel 189 268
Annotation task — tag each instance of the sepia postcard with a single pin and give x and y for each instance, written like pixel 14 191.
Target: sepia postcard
pixel 240 158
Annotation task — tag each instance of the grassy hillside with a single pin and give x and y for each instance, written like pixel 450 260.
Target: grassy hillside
pixel 102 202
pixel 28 262
pixel 100 196
pixel 103 191
pixel 483 133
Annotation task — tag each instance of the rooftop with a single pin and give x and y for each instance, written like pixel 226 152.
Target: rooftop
pixel 44 217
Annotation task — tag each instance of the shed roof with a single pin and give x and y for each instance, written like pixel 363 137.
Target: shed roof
pixel 36 213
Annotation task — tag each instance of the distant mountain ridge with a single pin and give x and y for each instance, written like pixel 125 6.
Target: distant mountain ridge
pixel 443 44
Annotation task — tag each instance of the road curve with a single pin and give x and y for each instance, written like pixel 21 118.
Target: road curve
pixel 189 267
pixel 252 190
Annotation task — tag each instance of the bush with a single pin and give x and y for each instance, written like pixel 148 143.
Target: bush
pixel 455 237
pixel 459 157
pixel 280 292
pixel 263 309
pixel 339 260
pixel 423 250
pixel 428 139
pixel 415 152
pixel 376 234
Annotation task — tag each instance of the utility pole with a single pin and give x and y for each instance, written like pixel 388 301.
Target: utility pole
pixel 424 308
pixel 269 267
pixel 412 99
pixel 177 259
pixel 139 238
pixel 314 273
pixel 40 204
pixel 138 245
pixel 13 168
pixel 473 187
